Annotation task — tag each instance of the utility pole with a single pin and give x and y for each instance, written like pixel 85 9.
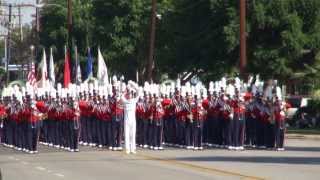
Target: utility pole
pixel 9 45
pixel 20 23
pixel 37 36
pixel 152 41
pixel 243 42
pixel 70 43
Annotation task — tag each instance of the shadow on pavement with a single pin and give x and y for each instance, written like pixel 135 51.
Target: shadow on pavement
pixel 307 149
pixel 259 159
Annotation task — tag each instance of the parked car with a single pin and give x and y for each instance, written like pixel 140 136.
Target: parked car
pixel 294 104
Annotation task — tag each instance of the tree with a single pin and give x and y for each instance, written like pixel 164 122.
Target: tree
pixel 283 37
pixel 194 37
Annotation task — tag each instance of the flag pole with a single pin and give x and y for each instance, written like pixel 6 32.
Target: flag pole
pixel 76 64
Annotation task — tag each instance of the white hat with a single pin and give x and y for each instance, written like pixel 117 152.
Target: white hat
pixel 59 89
pixel 183 91
pixel 53 93
pixel 63 93
pixel 96 85
pixel 211 87
pixel 237 83
pixel 110 90
pixel 250 79
pixel 188 88
pixel 178 84
pixel 146 87
pixel 230 90
pixel 193 90
pixel 90 87
pixel 260 88
pixel 172 85
pixel 268 92
pixel 204 91
pixel 114 79
pixel 223 82
pixel 279 93
pixel 23 91
pixel 8 91
pixel 123 86
pixel 4 92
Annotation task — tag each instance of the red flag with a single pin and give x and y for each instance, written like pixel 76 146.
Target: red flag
pixel 66 76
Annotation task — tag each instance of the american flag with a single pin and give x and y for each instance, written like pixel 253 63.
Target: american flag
pixel 32 75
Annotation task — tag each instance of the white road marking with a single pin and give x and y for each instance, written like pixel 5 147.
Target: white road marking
pixel 24 162
pixel 49 171
pixel 40 168
pixel 16 159
pixel 59 175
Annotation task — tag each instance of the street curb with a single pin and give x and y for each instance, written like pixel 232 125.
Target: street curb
pixel 302 136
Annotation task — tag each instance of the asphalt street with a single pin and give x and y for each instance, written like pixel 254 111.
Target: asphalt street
pixel 301 160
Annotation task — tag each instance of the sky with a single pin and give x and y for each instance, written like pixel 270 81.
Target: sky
pixel 25 11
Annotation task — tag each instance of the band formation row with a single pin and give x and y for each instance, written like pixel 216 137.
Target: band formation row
pixel 227 114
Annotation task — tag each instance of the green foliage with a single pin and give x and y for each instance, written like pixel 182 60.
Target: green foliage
pixel 281 35
pixel 193 36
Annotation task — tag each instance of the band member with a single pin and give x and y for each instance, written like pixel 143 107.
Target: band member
pixel 280 127
pixel 129 100
pixel 157 114
pixel 169 120
pixel 199 116
pixel 73 117
pixel 84 118
pixel 188 106
pixel 250 123
pixel 140 114
pixel 117 121
pixel 3 115
pixel 34 116
pixel 225 116
pixel 238 122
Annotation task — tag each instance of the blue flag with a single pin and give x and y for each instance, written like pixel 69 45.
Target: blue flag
pixel 89 65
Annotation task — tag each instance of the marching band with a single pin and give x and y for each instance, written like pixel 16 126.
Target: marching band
pixel 232 115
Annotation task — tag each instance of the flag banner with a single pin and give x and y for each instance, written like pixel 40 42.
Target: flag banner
pixel 66 75
pixel 43 82
pixel 89 65
pixel 51 69
pixel 102 74
pixel 78 79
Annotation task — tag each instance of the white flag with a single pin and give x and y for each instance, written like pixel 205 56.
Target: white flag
pixel 44 71
pixel 52 77
pixel 102 74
